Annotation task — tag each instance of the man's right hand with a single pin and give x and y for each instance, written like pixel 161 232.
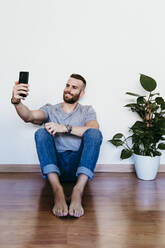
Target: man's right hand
pixel 33 116
pixel 19 89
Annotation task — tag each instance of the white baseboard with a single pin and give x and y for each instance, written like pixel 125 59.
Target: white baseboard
pixel 99 168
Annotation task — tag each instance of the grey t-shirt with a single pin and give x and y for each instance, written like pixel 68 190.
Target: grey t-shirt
pixel 78 117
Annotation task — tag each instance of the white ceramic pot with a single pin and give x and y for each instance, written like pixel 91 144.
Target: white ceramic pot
pixel 146 167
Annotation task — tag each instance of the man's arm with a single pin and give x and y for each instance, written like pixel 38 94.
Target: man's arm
pixel 54 128
pixel 79 131
pixel 33 116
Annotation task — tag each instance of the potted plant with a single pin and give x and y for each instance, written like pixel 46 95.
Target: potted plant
pixel 147 133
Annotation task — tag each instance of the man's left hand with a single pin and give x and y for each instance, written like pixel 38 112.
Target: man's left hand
pixel 54 128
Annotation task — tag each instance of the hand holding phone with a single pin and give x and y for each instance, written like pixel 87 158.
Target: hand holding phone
pixel 21 88
pixel 23 79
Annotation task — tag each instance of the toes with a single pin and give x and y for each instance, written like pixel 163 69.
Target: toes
pixel 65 212
pixel 54 212
pixel 60 212
pixel 79 213
pixel 71 212
pixel 76 212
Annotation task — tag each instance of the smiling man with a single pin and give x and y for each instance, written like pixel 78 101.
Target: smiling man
pixel 68 146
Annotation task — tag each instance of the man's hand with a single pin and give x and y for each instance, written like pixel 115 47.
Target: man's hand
pixel 20 89
pixel 54 128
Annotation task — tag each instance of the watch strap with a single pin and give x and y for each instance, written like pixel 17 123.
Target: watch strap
pixel 13 101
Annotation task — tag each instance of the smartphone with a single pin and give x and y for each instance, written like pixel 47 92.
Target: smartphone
pixel 23 79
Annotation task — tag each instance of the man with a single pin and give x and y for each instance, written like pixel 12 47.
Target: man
pixel 68 146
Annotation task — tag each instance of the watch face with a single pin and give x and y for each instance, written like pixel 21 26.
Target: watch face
pixel 69 128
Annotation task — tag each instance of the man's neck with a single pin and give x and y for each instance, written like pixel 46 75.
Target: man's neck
pixel 68 107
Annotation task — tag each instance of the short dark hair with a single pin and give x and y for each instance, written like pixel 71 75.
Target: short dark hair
pixel 78 76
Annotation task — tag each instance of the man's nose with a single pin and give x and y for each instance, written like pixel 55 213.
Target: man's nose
pixel 68 89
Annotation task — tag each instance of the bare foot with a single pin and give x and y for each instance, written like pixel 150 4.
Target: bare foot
pixel 60 207
pixel 76 208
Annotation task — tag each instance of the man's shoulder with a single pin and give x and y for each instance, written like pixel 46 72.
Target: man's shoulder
pixel 82 106
pixel 86 107
pixel 88 112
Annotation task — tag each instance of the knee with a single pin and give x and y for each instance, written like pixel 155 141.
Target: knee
pixel 94 134
pixel 41 134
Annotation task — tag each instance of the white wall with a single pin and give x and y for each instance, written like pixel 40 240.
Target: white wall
pixel 108 42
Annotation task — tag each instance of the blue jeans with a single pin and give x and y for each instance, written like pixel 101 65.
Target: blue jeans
pixel 68 164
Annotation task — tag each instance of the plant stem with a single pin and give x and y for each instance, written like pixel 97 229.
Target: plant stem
pixel 125 141
pixel 148 116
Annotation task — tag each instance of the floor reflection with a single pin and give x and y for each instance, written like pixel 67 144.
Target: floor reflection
pixel 130 212
pixel 65 231
pixel 143 215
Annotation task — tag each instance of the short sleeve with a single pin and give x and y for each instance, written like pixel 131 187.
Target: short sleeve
pixel 45 109
pixel 90 114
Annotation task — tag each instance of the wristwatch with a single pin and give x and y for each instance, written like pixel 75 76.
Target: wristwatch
pixel 15 102
pixel 69 128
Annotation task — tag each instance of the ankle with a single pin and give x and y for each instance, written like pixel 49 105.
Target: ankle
pixel 58 190
pixel 78 188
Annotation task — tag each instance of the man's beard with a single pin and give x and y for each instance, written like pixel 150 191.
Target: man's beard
pixel 72 99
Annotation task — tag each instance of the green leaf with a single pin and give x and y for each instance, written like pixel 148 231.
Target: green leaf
pixel 141 100
pixel 125 153
pixel 138 125
pixel 154 94
pixel 162 131
pixel 156 153
pixel 162 106
pixel 159 100
pixel 148 83
pixel 161 146
pixel 116 142
pixel 161 123
pixel 154 106
pixel 131 105
pixel 118 136
pixel 132 94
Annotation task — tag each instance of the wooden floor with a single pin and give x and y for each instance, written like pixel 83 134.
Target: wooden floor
pixel 120 211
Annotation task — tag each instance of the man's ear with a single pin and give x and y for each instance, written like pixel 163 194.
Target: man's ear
pixel 82 93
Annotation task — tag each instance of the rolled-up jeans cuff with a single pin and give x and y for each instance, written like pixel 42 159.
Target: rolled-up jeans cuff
pixel 51 168
pixel 86 171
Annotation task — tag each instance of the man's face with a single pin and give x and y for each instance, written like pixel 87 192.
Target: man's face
pixel 73 90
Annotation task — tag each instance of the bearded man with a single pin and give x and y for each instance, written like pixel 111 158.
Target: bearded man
pixel 68 146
